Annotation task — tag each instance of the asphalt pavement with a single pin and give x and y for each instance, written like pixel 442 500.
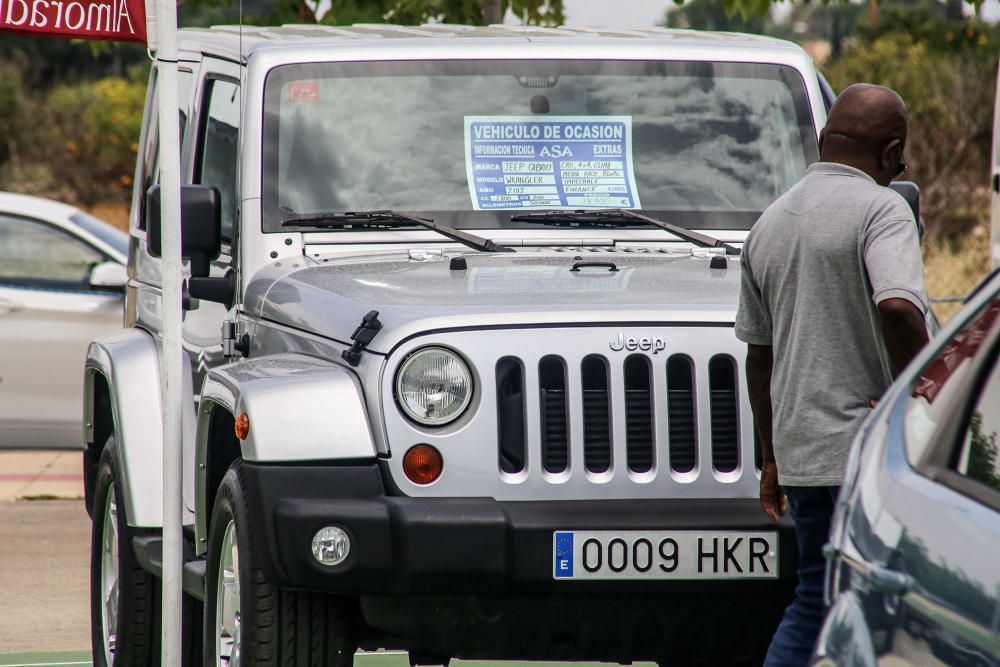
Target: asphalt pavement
pixel 45 567
pixel 44 576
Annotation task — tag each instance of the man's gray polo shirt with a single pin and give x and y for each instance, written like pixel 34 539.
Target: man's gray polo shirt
pixel 815 266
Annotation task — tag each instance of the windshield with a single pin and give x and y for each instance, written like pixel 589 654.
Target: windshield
pixel 473 143
pixel 115 238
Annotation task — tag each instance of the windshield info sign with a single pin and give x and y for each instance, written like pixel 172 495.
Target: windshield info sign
pixel 571 162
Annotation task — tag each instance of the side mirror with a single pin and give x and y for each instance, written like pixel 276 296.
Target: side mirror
pixel 911 193
pixel 108 277
pixel 201 240
pixel 201 225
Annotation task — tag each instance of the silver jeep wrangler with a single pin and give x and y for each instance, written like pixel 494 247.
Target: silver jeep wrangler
pixel 476 392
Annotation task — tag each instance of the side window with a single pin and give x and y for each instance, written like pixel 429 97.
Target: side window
pixel 149 168
pixel 828 95
pixel 219 161
pixel 979 458
pixel 933 392
pixel 34 254
pixel 149 173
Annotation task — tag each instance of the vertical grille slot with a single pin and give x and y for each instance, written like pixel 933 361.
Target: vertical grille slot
pixel 554 417
pixel 596 414
pixel 639 413
pixel 681 414
pixel 725 421
pixel 758 453
pixel 510 415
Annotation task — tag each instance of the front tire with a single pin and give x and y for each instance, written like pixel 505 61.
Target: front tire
pixel 124 598
pixel 250 622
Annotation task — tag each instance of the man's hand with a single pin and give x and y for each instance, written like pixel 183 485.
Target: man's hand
pixel 772 496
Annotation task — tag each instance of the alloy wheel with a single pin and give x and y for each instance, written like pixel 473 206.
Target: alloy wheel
pixel 227 601
pixel 109 576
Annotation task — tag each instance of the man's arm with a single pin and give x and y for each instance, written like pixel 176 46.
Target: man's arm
pixel 903 330
pixel 760 361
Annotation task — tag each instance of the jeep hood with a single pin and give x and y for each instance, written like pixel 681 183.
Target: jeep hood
pixel 329 295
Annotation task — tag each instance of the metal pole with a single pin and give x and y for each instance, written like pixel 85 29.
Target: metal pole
pixel 171 360
pixel 492 11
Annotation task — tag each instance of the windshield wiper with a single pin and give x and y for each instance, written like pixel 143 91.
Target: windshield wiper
pixel 392 219
pixel 612 216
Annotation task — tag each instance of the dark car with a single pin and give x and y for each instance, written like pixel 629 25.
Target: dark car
pixel 914 571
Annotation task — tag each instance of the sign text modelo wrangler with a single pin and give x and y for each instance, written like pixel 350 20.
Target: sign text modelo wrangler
pixel 656 344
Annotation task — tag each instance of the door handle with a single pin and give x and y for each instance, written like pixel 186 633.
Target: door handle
pixel 884 580
pixel 7 307
pixel 996 182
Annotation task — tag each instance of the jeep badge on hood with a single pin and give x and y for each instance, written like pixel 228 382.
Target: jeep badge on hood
pixel 656 343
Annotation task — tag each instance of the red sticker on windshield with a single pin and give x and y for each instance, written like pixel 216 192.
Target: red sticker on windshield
pixel 303 92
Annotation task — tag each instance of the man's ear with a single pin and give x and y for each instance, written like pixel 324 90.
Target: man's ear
pixel 891 155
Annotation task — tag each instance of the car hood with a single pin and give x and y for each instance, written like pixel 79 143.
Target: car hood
pixel 415 293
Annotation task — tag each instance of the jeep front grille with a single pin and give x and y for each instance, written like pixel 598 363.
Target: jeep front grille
pixel 597 410
pixel 565 413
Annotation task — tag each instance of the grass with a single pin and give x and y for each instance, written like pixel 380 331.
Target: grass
pixel 954 265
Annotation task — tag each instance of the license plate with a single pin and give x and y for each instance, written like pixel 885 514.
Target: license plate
pixel 675 554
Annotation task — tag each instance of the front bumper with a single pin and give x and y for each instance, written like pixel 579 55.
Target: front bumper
pixel 448 546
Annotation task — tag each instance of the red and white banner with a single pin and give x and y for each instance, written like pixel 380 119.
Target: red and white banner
pixel 113 20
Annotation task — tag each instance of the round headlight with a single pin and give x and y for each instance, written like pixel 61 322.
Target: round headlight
pixel 433 386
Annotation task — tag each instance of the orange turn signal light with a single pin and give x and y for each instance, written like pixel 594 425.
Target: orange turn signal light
pixel 242 426
pixel 422 464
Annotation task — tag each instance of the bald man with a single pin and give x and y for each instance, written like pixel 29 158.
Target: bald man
pixel 832 306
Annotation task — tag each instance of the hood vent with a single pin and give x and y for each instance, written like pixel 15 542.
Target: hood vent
pixel 596 415
pixel 555 424
pixel 725 415
pixel 639 413
pixel 510 415
pixel 681 414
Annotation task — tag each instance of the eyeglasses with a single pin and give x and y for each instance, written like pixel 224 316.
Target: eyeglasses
pixel 900 170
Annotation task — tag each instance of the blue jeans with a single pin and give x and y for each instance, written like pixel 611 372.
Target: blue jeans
pixel 811 508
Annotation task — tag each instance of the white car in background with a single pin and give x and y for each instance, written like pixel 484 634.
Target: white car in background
pixel 62 278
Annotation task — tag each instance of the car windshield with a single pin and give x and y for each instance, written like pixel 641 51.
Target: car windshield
pixel 473 143
pixel 115 238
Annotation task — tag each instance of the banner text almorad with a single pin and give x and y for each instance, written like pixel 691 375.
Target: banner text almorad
pixel 78 19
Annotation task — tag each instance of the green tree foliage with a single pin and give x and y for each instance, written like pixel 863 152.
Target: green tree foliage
pixel 91 132
pixel 70 111
pixel 11 93
pixel 712 15
pixel 747 8
pixel 931 23
pixel 945 70
pixel 346 12
pixel 834 23
pixel 537 12
pixel 984 466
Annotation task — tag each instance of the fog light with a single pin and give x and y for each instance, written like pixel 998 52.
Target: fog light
pixel 331 545
pixel 423 464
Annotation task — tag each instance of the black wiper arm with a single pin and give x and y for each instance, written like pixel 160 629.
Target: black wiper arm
pixel 391 218
pixel 618 214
